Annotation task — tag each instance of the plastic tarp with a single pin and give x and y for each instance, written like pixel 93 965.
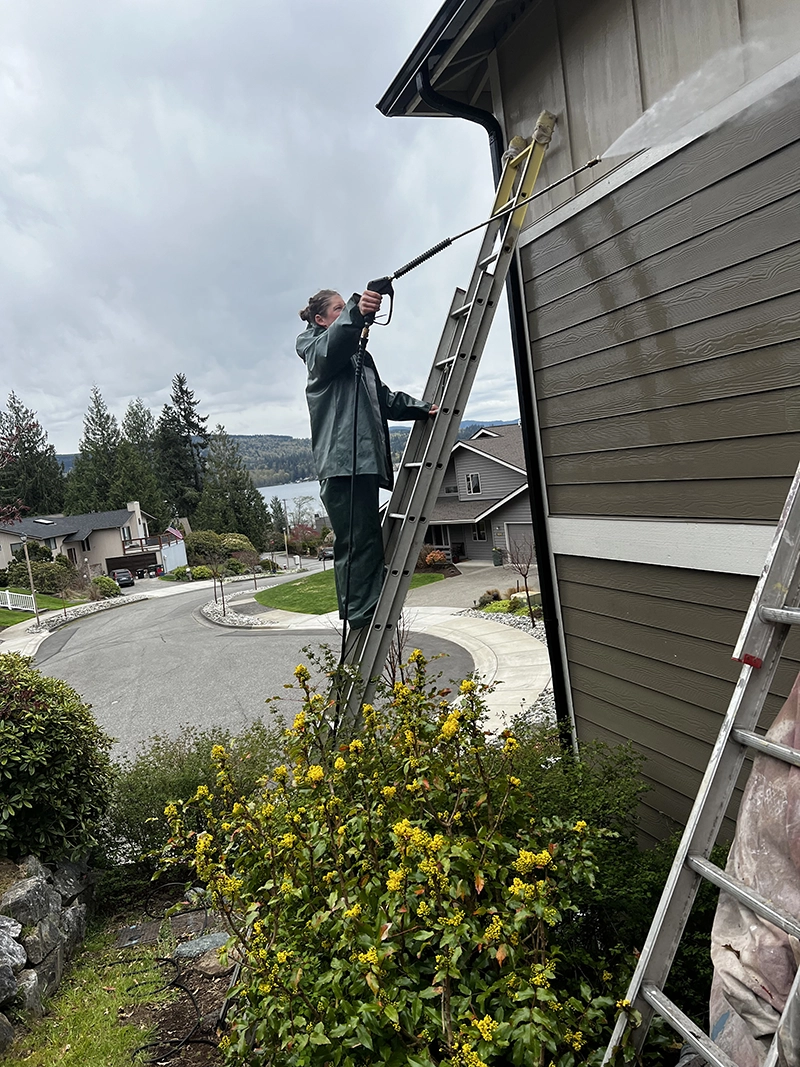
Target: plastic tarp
pixel 756 963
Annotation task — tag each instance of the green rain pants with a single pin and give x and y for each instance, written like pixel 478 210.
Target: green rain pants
pixel 366 565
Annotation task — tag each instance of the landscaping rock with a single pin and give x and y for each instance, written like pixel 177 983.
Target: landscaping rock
pixel 70 880
pixel 49 971
pixel 10 926
pixel 8 982
pixel 29 997
pixel 32 868
pixel 27 901
pixel 211 965
pixel 53 903
pixel 6 1033
pixel 11 952
pixel 73 927
pixel 191 950
pixel 41 941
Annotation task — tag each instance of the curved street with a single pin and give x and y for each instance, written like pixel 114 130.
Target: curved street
pixel 153 666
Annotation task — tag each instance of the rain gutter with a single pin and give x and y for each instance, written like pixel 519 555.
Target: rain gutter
pixel 528 419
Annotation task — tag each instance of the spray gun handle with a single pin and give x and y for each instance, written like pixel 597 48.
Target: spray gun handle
pixel 384 287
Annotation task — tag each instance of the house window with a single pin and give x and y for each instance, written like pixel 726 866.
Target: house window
pixel 473 484
pixel 126 533
pixel 479 531
pixel 72 556
pixel 85 546
pixel 439 536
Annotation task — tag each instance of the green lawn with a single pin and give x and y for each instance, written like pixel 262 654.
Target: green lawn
pixel 316 594
pixel 11 618
pixel 47 603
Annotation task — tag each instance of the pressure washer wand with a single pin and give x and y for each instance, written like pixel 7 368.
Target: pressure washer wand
pixel 384 285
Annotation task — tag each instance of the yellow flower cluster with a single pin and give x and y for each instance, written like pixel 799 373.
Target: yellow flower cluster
pixel 528 861
pixel 340 764
pixel 354 912
pixel 580 827
pixel 575 1039
pixel 283 957
pixel 486 1027
pixel 422 909
pixel 623 1005
pixel 315 773
pixel 299 723
pixel 417 657
pixel 388 791
pixel 513 780
pixel 467 686
pixel 551 916
pixel 301 673
pixel 528 891
pixel 280 773
pixel 356 747
pixel 368 958
pixel 203 793
pixel 511 745
pixel 218 752
pixel 494 929
pixel 450 726
pixel 287 840
pixel 394 883
pixel 465 1056
pixel 455 919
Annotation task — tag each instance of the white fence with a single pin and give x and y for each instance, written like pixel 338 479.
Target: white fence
pixel 20 601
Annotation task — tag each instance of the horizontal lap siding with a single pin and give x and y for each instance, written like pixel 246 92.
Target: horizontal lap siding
pixel 649 651
pixel 665 332
pixel 497 480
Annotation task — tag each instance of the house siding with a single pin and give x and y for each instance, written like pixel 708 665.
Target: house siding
pixel 497 480
pixel 650 654
pixel 664 321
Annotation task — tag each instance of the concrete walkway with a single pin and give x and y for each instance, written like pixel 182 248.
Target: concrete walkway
pixel 512 660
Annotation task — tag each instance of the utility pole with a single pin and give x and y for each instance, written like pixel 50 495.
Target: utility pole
pixel 30 576
pixel 286 531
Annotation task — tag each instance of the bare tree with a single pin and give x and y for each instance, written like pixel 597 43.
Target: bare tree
pixel 397 653
pixel 251 559
pixel 521 557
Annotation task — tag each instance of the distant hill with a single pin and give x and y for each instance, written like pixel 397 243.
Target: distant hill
pixel 273 459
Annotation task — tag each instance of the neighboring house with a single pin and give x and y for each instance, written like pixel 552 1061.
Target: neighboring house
pixel 656 331
pixel 483 503
pixel 99 542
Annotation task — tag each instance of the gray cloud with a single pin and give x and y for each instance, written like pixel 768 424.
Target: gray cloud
pixel 176 179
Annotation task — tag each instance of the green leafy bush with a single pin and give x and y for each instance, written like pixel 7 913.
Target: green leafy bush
pixel 398 898
pixel 201 571
pixel 169 769
pixel 48 578
pixel 488 597
pixel 178 574
pixel 106 586
pixel 236 567
pixel 55 771
pixel 236 542
pixel 203 546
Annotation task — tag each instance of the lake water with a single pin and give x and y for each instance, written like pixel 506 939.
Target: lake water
pixel 290 491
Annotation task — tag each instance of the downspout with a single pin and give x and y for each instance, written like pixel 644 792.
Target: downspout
pixel 528 420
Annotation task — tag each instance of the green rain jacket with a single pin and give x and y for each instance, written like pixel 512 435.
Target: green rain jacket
pixel 330 358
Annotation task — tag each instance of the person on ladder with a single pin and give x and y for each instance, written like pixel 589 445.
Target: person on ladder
pixel 328 347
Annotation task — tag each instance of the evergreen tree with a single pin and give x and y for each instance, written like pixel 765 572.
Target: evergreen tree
pixel 89 484
pixel 31 473
pixel 181 440
pixel 230 503
pixel 135 479
pixel 277 514
pixel 139 427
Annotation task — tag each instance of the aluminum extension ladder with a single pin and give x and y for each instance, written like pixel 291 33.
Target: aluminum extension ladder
pixel 419 479
pixel 759 648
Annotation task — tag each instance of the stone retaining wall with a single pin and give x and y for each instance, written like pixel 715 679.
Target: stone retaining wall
pixel 42 922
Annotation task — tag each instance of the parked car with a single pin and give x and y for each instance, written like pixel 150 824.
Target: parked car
pixel 122 577
pixel 326 552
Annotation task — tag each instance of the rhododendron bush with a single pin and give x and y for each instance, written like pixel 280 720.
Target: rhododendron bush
pixel 394 898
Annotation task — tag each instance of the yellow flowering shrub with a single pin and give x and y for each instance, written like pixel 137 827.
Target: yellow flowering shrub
pixel 410 912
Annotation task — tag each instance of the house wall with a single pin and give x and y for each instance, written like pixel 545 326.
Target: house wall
pixel 496 480
pixel 664 318
pixel 103 545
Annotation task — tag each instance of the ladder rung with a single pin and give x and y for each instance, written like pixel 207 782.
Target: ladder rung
pixel 396 515
pixel 771 748
pixel 484 263
pixel 690 1031
pixel 413 463
pixel 463 310
pixel 745 895
pixel 446 362
pixel 789 616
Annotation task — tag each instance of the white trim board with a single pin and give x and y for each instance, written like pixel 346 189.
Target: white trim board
pixel 725 547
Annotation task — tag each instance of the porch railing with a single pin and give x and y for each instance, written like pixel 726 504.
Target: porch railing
pixel 16 601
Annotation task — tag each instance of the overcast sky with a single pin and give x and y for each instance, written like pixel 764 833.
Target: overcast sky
pixel 178 176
